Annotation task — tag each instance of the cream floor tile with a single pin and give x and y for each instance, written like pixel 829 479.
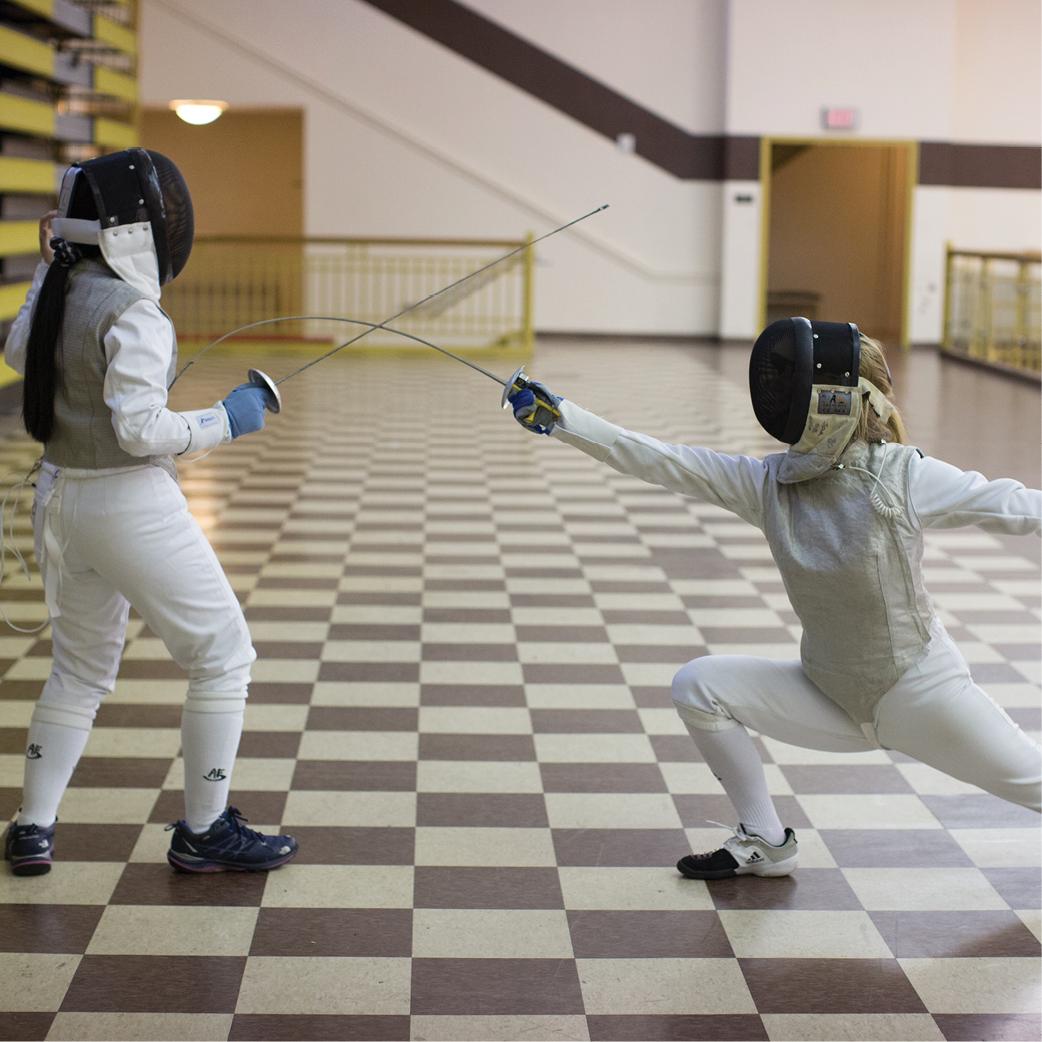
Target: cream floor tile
pixel 159 930
pixel 1006 633
pixel 1015 696
pixel 475 672
pixel 499 1029
pixel 285 985
pixel 927 781
pixel 768 934
pixel 717 588
pixel 744 617
pixel 358 745
pixel 1031 671
pixel 492 599
pixel 350 809
pixel 566 653
pixel 131 1027
pixel 663 986
pixel 873 811
pixel 289 631
pixel 300 570
pixel 941 889
pixel 149 692
pixel 456 572
pixel 785 652
pixel 371 651
pixel 976 985
pixel 284 670
pixel 107 806
pixel 517 847
pixel 615 810
pixel 68 883
pixel 851 1027
pixel 390 614
pixel 29 669
pixel 594 748
pixel 640 601
pixel 158 742
pixel 625 573
pixel 251 773
pixel 471 633
pixel 477 776
pixel 1001 848
pixel 12 771
pixel 339 886
pixel 487 933
pixel 661 721
pixel 689 778
pixel 1032 919
pixel 261 717
pixel 650 674
pixel 339 693
pixel 783 753
pixel 578 696
pixel 35 983
pixel 475 720
pixel 152 845
pixel 146 648
pixel 632 889
pixel 516 584
pixel 291 598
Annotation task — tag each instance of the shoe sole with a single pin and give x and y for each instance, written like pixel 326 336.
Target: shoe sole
pixel 203 867
pixel 30 868
pixel 785 868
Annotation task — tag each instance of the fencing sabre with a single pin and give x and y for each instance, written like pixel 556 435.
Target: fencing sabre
pixel 273 397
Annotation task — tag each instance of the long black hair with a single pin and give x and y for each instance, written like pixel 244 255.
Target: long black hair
pixel 42 362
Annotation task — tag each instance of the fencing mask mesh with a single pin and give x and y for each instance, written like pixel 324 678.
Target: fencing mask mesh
pixel 170 189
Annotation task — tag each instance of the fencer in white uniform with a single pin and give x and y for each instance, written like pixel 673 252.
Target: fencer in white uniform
pixel 112 528
pixel 843 511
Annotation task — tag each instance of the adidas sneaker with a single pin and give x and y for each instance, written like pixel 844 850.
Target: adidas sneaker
pixel 743 854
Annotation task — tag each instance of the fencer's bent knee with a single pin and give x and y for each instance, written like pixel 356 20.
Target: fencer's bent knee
pixel 694 700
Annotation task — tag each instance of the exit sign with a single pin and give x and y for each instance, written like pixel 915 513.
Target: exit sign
pixel 839 118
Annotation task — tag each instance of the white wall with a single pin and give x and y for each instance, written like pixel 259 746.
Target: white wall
pixel 404 137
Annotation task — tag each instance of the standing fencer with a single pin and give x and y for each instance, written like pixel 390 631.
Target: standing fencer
pixel 843 511
pixel 111 526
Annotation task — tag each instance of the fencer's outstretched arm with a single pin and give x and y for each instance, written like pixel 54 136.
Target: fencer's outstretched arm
pixel 945 497
pixel 732 482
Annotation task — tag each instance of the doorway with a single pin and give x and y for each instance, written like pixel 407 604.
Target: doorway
pixel 837 232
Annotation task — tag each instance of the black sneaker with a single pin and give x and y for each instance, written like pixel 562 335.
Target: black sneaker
pixel 227 846
pixel 744 854
pixel 29 848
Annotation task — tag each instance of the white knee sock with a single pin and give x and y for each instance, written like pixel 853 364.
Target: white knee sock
pixel 210 731
pixel 733 758
pixel 56 740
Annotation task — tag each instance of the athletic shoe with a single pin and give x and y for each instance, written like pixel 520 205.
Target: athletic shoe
pixel 29 848
pixel 744 854
pixel 227 846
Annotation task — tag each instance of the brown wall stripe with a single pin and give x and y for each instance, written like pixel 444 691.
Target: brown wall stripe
pixel 705 157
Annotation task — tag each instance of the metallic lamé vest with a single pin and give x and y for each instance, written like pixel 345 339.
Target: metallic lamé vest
pixel 83 435
pixel 854 576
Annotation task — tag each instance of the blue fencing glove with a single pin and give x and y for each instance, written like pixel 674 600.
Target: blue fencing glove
pixel 245 409
pixel 535 407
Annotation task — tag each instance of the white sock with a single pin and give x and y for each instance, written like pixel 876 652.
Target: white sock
pixel 57 736
pixel 733 758
pixel 210 731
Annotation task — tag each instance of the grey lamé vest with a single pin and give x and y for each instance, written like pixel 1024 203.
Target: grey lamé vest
pixel 854 576
pixel 83 434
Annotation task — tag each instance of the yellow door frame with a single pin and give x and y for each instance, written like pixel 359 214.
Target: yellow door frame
pixel 911 150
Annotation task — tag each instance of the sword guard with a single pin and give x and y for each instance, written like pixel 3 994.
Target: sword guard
pixel 518 382
pixel 272 398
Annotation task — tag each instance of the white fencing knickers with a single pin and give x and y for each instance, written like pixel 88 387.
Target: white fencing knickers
pixel 935 713
pixel 110 539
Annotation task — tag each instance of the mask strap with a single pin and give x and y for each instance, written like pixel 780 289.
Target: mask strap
pixel 881 405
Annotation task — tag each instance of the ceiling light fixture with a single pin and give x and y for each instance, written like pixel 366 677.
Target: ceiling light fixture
pixel 198 111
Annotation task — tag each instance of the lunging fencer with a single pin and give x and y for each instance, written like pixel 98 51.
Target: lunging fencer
pixel 843 510
pixel 111 527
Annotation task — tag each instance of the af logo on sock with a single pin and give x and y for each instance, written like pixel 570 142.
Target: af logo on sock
pixel 217 774
pixel 33 752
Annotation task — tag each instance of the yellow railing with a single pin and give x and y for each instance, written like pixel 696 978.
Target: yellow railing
pixel 229 282
pixel 993 308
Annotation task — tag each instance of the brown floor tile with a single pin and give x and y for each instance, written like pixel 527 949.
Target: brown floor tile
pixel 563 634
pixel 689 1028
pixel 362 718
pixel 648 935
pixel 288 649
pixel 463 616
pixel 461 652
pixel 150 669
pixel 894 848
pixel 47 928
pixel 370 672
pixel 845 778
pixel 259 1027
pixel 20 690
pixel 571 673
pixel 159 884
pixel 121 772
pixel 619 847
pixel 979 812
pixel 549 599
pixel 437 887
pixel 114 714
pixel 489 986
pixel 676 748
pixel 472 695
pixel 290 613
pixel 155 984
pixel 476 747
pixel 964 934
pixel 338 845
pixel 1019 887
pixel 25 1027
pixel 281 745
pixel 266 806
pixel 809 889
pixel 351 932
pixel 752 635
pixel 670 654
pixel 586 721
pixel 696 810
pixel 280 694
pixel 355 775
pixel 602 777
pixel 989 1027
pixel 374 631
pixel 11 798
pixel 376 598
pixel 622 617
pixel 84 842
pixel 830 986
pixel 481 810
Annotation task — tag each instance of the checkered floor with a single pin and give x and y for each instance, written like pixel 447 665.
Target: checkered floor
pixel 466 635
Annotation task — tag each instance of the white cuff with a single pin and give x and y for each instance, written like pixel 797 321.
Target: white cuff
pixel 207 428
